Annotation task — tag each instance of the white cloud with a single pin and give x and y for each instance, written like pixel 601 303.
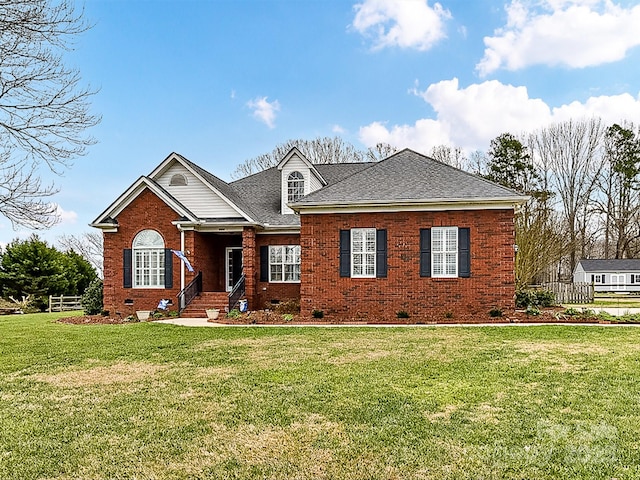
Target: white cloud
pixel 572 33
pixel 66 217
pixel 471 117
pixel 338 129
pixel 264 111
pixel 402 23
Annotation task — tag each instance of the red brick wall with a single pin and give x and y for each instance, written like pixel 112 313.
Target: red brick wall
pixel 147 211
pixel 265 291
pixel 492 267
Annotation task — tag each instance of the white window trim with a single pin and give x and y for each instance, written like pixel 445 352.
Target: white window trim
pixel 363 252
pixel 444 251
pixel 158 272
pixel 284 264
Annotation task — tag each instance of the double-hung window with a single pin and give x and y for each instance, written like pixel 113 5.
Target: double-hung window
pixel 363 252
pixel 284 263
pixel 444 251
pixel 148 260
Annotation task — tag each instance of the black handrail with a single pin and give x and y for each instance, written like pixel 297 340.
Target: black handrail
pixel 236 292
pixel 190 292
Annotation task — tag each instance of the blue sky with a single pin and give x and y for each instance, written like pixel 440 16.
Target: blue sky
pixel 223 81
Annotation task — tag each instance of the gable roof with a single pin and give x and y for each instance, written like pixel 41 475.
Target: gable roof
pixel 610 265
pixel 405 179
pixel 408 177
pixel 312 168
pixel 106 218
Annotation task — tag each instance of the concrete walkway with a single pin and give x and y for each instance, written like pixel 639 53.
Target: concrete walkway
pixel 202 322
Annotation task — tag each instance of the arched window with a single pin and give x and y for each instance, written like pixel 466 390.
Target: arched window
pixel 178 179
pixel 295 186
pixel 148 260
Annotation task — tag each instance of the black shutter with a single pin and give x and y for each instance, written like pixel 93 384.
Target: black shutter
pixel 464 252
pixel 603 280
pixel 264 263
pixel 632 278
pixel 127 261
pixel 592 278
pixel 168 268
pixel 381 253
pixel 345 253
pixel 425 252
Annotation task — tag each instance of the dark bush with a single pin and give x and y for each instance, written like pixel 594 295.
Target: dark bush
pixel 534 298
pixel 91 300
pixel 317 314
pixel 402 314
pixel 495 312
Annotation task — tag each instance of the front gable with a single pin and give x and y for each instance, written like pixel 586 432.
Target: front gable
pixel 203 196
pixel 189 189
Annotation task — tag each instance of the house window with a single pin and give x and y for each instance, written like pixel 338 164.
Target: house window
pixel 148 260
pixel 295 186
pixel 597 278
pixel 635 278
pixel 284 263
pixel 363 252
pixel 444 251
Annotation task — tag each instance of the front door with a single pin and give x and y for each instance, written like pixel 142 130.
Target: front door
pixel 234 266
pixel 617 281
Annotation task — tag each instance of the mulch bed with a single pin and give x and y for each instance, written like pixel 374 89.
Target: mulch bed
pixel 549 315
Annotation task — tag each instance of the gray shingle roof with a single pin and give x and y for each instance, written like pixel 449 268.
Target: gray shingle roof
pixel 408 176
pixel 611 265
pixel 261 191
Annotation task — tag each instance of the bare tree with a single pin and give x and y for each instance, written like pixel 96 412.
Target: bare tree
pixel 453 156
pixel 44 112
pixel 318 151
pixel 88 246
pixel 570 154
pixel 619 184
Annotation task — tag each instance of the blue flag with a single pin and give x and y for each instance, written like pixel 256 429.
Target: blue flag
pixel 181 256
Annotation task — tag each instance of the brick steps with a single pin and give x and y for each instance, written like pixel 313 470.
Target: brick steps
pixel 197 307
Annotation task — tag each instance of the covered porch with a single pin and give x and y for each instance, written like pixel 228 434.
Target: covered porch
pixel 218 280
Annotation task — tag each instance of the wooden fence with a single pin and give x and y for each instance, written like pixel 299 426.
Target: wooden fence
pixel 63 303
pixel 571 292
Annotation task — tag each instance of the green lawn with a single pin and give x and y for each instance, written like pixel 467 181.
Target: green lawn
pixel 151 401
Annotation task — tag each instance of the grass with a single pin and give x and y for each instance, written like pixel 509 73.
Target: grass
pixel 154 401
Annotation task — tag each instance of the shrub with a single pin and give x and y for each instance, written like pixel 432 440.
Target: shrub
pixel 234 313
pixel 91 300
pixel 317 314
pixel 402 314
pixel 545 298
pixel 495 312
pixel 448 315
pixel 287 317
pixel 533 311
pixel 534 298
pixel 288 307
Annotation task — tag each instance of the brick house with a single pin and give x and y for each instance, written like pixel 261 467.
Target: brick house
pixel 353 240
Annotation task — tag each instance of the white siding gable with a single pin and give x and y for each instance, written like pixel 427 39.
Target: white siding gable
pixel 195 195
pixel 311 181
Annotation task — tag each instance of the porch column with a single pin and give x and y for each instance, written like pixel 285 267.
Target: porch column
pixel 249 263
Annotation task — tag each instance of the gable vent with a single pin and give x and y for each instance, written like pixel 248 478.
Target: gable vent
pixel 178 180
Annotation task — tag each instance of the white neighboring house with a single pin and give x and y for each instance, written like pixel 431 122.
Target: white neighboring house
pixel 609 275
